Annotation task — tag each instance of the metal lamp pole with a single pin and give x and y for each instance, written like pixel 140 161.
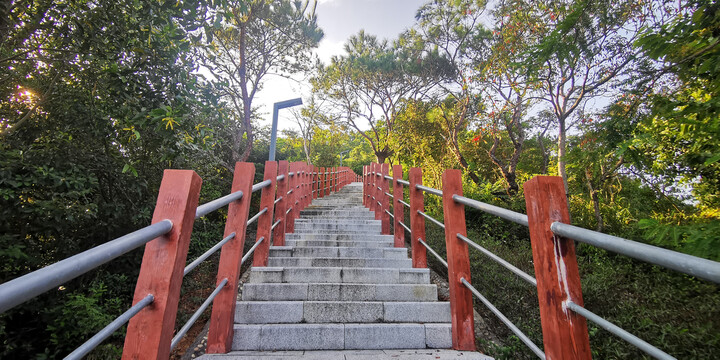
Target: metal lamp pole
pixel 273 136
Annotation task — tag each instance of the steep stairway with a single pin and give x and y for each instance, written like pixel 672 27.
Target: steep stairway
pixel 338 284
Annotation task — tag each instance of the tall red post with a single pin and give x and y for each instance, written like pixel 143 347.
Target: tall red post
pixel 398 208
pixel 267 201
pixel 364 186
pixel 150 331
pixel 417 222
pixel 337 179
pixel 458 259
pixel 315 182
pixel 565 334
pixel 292 199
pixel 223 310
pixel 281 206
pixel 374 170
pixel 385 199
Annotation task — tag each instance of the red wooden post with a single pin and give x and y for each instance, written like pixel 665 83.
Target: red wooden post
pixel 398 208
pixel 385 200
pixel 337 179
pixel 458 259
pixel 290 216
pixel 374 169
pixel 565 334
pixel 281 206
pixel 303 186
pixel 315 182
pixel 326 183
pixel 223 310
pixel 267 200
pixel 364 186
pixel 150 331
pixel 417 222
pixel 321 182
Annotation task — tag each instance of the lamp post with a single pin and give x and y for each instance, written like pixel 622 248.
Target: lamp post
pixel 273 136
pixel 341 155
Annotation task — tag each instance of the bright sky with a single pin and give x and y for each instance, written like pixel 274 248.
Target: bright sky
pixel 339 19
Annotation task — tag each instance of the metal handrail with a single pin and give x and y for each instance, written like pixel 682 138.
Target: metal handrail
pixel 404 203
pixel 26 287
pixel 620 332
pixel 390 195
pixel 388 177
pixel 405 226
pixel 442 261
pixel 256 216
pixel 290 191
pixel 506 214
pixel 213 205
pixel 275 224
pixel 291 174
pixel 261 185
pixel 207 254
pixel 432 219
pixel 109 329
pixel 288 210
pixel 534 348
pixel 401 181
pixel 688 264
pixel 181 333
pixel 277 200
pixel 393 216
pixel 429 190
pixel 280 177
pixel 252 250
pixel 523 275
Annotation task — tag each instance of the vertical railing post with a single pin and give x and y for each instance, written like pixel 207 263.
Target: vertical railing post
pixel 220 333
pixel 303 186
pixel 565 333
pixel 364 185
pixel 398 208
pixel 264 222
pixel 385 200
pixel 289 217
pixel 337 179
pixel 315 182
pixel 375 169
pixel 458 259
pixel 321 183
pixel 281 206
pixel 150 331
pixel 417 222
pixel 326 182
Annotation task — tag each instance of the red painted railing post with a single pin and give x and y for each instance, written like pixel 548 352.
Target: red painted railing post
pixel 326 182
pixel 365 186
pixel 375 169
pixel 565 333
pixel 315 182
pixel 150 331
pixel 221 320
pixel 458 259
pixel 281 206
pixel 398 208
pixel 321 183
pixel 385 202
pixel 304 186
pixel 264 222
pixel 417 222
pixel 337 179
pixel 292 198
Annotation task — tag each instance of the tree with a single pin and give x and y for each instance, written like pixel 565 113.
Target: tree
pixel 258 38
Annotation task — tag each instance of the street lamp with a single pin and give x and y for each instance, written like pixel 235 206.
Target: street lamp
pixel 277 106
pixel 341 155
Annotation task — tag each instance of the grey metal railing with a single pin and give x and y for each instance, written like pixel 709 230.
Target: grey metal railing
pixel 432 219
pixel 181 333
pixel 211 206
pixel 437 256
pixel 207 254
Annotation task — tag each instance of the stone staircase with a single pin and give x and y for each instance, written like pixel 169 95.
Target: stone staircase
pixel 340 286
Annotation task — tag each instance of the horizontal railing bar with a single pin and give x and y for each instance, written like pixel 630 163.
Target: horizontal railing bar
pixel 437 256
pixel 390 195
pixel 291 174
pixel 280 177
pixel 534 348
pixel 620 332
pixel 261 185
pixel 405 226
pixel 211 206
pixel 393 216
pixel 506 214
pixel 429 190
pixel 401 181
pixel 288 210
pixel 290 191
pixel 432 219
pixel 26 287
pixel 523 275
pixel 275 224
pixel 277 200
pixel 388 177
pixel 252 250
pixel 207 254
pixel 688 264
pixel 379 188
pixel 109 329
pixel 256 216
pixel 404 203
pixel 181 333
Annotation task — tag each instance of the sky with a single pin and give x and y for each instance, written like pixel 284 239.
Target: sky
pixel 339 19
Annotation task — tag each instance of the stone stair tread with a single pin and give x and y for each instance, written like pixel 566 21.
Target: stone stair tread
pixel 404 354
pixel 353 262
pixel 340 275
pixel 339 291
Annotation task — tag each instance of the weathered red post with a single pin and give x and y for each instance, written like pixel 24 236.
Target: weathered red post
pixel 417 222
pixel 365 185
pixel 150 331
pixel 385 199
pixel 321 182
pixel 315 182
pixel 458 259
pixel 264 222
pixel 565 334
pixel 281 206
pixel 374 169
pixel 292 199
pixel 398 208
pixel 221 319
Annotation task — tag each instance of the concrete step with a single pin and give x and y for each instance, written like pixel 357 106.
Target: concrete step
pixel 338 262
pixel 333 251
pixel 340 336
pixel 339 237
pixel 359 244
pixel 313 312
pixel 323 227
pixel 339 292
pixel 339 275
pixel 389 354
pixel 335 221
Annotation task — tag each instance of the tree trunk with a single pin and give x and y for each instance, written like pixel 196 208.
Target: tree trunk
pixel 595 200
pixel 247 101
pixel 562 172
